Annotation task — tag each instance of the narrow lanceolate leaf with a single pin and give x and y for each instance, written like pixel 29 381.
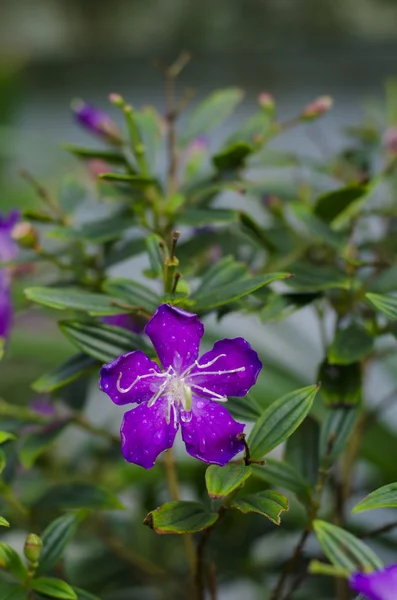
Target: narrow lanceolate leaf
pixel 34 444
pixel 282 474
pixel 350 345
pixel 72 369
pixel 317 567
pixel 245 408
pixel 12 591
pixel 56 537
pixel 153 246
pixel 137 181
pixel 134 293
pixel 222 481
pixel 78 495
pixel 6 436
pixel 344 550
pixel 310 278
pixel 103 342
pixel 199 217
pixel 84 595
pixel 207 300
pixel 180 517
pixel 386 304
pixel 73 298
pixel 109 156
pixel 53 587
pixel 4 522
pixel 222 272
pixel 12 562
pixel 331 205
pixel 280 420
pixel 210 113
pixel 269 504
pixel 336 429
pixel 384 497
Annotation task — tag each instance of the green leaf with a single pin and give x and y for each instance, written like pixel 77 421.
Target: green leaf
pixel 103 342
pixel 222 481
pixel 156 259
pixel 84 595
pixel 73 298
pixel 232 157
pixel 344 550
pixel 210 113
pixel 302 450
pixel 255 231
pixel 340 384
pixel 280 420
pixel 208 299
pixel 96 232
pixel 336 428
pixel 34 444
pixel 133 293
pixel 4 522
pixel 56 537
pixel 310 277
pixel 122 250
pixel 69 371
pixel 350 345
pixel 384 497
pixel 109 156
pixel 284 475
pixel 12 562
pixel 225 271
pixel 3 461
pixel 317 567
pixel 200 217
pixel 269 504
pixel 78 495
pixel 148 122
pixel 332 204
pixel 180 517
pixel 386 304
pixel 245 408
pixel 253 130
pixel 53 587
pixel 12 591
pixel 138 181
pixel 6 436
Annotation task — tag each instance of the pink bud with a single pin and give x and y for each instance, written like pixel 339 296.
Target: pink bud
pixel 318 107
pixel 390 140
pixel 266 101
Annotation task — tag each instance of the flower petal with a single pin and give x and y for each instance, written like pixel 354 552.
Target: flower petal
pixel 145 433
pixel 176 335
pixel 6 312
pixel 132 377
pixel 377 585
pixel 229 369
pixel 210 433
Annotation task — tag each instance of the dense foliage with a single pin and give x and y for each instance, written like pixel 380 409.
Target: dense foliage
pixel 222 233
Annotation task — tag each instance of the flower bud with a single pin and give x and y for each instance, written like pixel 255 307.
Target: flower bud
pixel 25 235
pixel 116 100
pixel 96 121
pixel 390 141
pixel 32 548
pixel 317 107
pixel 266 101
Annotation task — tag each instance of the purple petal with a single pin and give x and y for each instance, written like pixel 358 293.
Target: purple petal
pixel 232 368
pixel 377 585
pixel 8 248
pixel 145 433
pixel 210 433
pixel 126 321
pixel 134 372
pixel 95 120
pixel 6 312
pixel 176 336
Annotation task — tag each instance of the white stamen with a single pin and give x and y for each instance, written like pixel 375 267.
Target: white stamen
pixel 226 372
pixel 210 363
pixel 215 395
pixel 133 384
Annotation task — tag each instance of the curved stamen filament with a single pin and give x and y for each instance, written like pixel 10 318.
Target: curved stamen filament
pixel 136 380
pixel 226 372
pixel 204 366
pixel 215 395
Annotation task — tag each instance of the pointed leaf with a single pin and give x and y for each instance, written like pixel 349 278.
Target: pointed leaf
pixel 4 522
pixel 222 481
pixel 309 277
pixel 384 497
pixel 225 271
pixel 69 371
pixel 386 304
pixel 301 450
pixel 73 298
pixel 350 345
pixel 56 537
pixel 200 217
pixel 53 587
pixel 280 420
pixel 108 156
pixel 340 384
pixel 281 474
pixel 232 157
pixel 11 561
pixel 344 550
pixel 269 504
pixel 6 436
pixel 134 293
pixel 246 408
pixel 336 428
pixel 210 113
pixel 332 204
pixel 178 517
pixel 77 495
pixel 84 595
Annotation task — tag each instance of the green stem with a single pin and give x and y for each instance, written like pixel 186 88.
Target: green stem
pixel 136 141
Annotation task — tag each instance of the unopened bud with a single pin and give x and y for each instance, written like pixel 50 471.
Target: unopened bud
pixel 117 100
pixel 96 121
pixel 318 107
pixel 33 548
pixel 390 141
pixel 266 101
pixel 25 235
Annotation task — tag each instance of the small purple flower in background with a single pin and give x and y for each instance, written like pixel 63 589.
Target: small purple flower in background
pixel 127 321
pixel 8 251
pixel 377 585
pixel 96 121
pixel 188 392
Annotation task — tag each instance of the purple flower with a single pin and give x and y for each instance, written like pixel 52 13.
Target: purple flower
pixel 377 585
pixel 8 248
pixel 96 121
pixel 8 251
pixel 127 321
pixel 5 306
pixel 188 392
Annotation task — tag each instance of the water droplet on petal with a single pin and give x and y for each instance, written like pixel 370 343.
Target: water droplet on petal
pixel 203 446
pixel 241 374
pixel 158 437
pixel 186 416
pixel 200 404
